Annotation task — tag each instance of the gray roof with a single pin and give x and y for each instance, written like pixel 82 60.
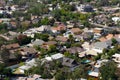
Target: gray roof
pixel 118 40
pixel 38 42
pixel 102 45
pixel 68 62
pixel 75 50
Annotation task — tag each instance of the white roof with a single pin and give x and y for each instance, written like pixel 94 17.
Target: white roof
pixel 31 61
pixel 91 52
pixel 48 58
pixel 57 56
pixel 116 55
pixel 25 67
pixel 94 74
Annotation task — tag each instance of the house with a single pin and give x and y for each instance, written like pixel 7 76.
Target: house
pixel 75 31
pixel 74 50
pixel 37 42
pixel 11 46
pixel 27 51
pixel 61 39
pixel 86 46
pixel 32 31
pixel 58 28
pixel 87 35
pixel 11 35
pixel 116 58
pixel 88 53
pixel 57 56
pixel 46 45
pixel 99 46
pixel 107 37
pixel 69 62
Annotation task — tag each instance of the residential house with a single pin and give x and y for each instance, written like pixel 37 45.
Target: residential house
pixel 108 37
pixel 32 31
pixel 116 58
pixel 76 31
pixel 11 46
pixel 74 50
pixel 59 28
pixel 86 46
pixel 61 39
pixel 37 42
pixel 46 45
pixel 11 35
pixel 90 53
pixel 69 62
pixel 73 31
pixel 87 36
pixel 28 51
pixel 99 46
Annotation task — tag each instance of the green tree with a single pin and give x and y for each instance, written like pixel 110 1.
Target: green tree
pixel 59 76
pixel 71 38
pixel 79 72
pixel 41 36
pixel 107 71
pixel 4 53
pixel 5 71
pixel 45 21
pixel 18 55
pixel 114 41
pixel 23 39
pixel 52 48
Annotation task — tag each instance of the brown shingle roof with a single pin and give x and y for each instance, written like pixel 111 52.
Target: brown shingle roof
pixel 109 36
pixel 61 38
pixel 50 43
pixel 12 46
pixel 76 30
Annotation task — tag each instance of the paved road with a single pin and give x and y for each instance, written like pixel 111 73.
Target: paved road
pixel 99 25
